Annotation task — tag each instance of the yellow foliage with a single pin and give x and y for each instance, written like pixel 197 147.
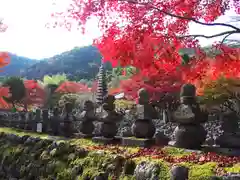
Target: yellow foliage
pixel 124 104
pixel 218 91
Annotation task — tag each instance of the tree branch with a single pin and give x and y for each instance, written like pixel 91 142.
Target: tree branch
pixel 226 37
pixel 182 17
pixel 227 33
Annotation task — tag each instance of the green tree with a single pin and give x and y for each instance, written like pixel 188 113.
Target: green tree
pixel 16 89
pixel 118 74
pixel 222 94
pixel 55 79
pixel 50 84
pixel 2 80
pixel 83 81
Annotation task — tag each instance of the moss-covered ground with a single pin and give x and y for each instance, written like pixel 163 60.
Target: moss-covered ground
pixel 69 163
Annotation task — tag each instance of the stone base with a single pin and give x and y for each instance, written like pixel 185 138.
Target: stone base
pixel 189 136
pixel 103 140
pixel 57 138
pixel 223 151
pixel 173 144
pixel 80 135
pixel 216 149
pixel 132 141
pixel 229 141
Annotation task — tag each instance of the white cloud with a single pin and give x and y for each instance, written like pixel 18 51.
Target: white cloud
pixel 27 35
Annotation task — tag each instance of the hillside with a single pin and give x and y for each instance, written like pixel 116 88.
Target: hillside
pixel 17 66
pixel 79 62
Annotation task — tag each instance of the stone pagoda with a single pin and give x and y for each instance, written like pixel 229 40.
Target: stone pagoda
pixel 102 90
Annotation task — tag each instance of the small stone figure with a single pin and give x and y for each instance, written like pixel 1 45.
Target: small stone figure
pixel 55 122
pixel 37 122
pixel 17 120
pixel 230 137
pixel 29 120
pixel 22 121
pixel 179 173
pixel 189 134
pixel 87 117
pixel 109 127
pixel 45 119
pixel 14 118
pixel 67 120
pixel 143 126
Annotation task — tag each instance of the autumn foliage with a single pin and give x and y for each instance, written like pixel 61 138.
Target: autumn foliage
pixel 4 59
pixel 3 104
pixel 4 56
pixel 149 34
pixel 72 87
pixel 34 95
pixel 146 33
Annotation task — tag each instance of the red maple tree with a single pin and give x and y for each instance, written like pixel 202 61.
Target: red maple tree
pixel 4 56
pixel 35 94
pixel 4 59
pixel 134 30
pixel 149 34
pixel 72 87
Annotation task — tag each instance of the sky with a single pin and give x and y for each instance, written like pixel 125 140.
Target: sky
pixel 27 35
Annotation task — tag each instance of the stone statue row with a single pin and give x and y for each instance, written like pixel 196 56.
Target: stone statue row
pixel 189 116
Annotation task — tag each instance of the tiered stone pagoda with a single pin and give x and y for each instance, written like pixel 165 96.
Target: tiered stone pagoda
pixel 102 89
pixel 189 133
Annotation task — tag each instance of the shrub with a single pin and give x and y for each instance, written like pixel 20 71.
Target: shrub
pixel 124 104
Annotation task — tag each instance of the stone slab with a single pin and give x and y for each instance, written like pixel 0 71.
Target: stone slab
pixel 57 138
pixel 173 144
pixel 221 150
pixel 105 141
pixel 131 141
pixel 216 149
pixel 80 135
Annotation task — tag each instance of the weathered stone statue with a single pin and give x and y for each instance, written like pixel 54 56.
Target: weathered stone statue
pixel 29 120
pixel 37 122
pixel 22 120
pixel 189 133
pixel 55 122
pixel 87 117
pixel 16 120
pixel 230 137
pixel 143 126
pixel 45 118
pixel 68 118
pixel 110 118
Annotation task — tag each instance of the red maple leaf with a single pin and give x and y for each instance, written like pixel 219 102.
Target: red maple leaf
pixel 149 34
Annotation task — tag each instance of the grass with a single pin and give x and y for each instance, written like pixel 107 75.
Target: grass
pixel 22 133
pixel 176 151
pixel 234 169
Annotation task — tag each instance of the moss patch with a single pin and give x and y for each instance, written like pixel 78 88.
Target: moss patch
pixel 234 169
pixel 176 151
pixel 84 159
pixel 22 133
pixel 200 171
pixel 204 171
